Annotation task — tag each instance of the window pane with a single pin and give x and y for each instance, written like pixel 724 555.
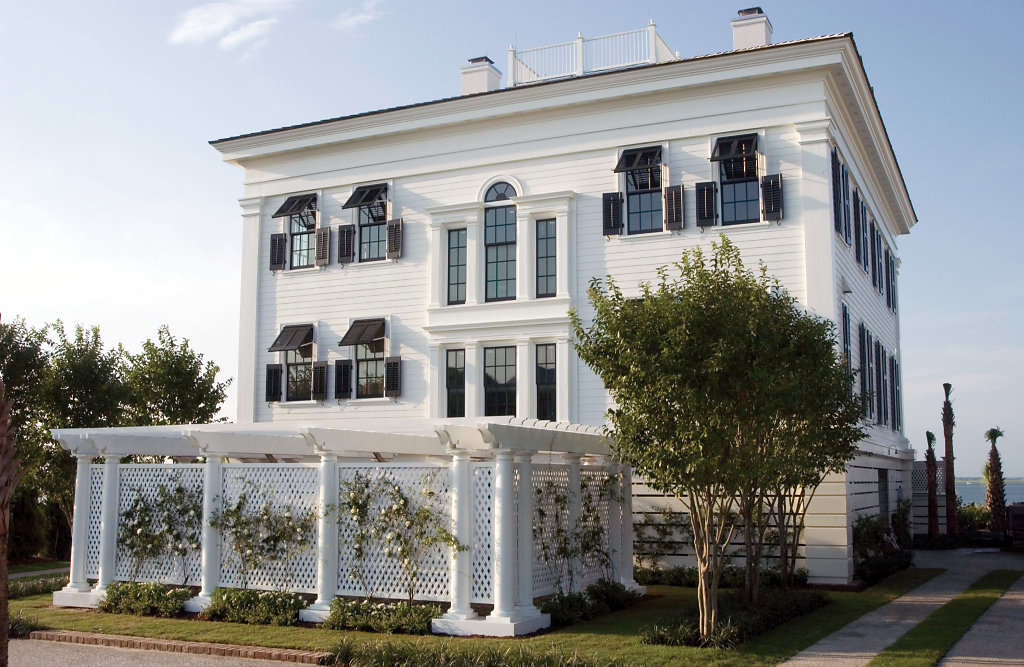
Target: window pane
pixel 546 384
pixel 455 383
pixel 457 266
pixel 500 238
pixel 499 381
pixel 369 371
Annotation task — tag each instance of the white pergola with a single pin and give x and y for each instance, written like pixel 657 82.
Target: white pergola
pixel 510 445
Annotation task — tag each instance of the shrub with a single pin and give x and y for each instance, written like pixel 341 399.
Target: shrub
pixel 19 625
pixel 20 588
pixel 732 577
pixel 876 552
pixel 601 597
pixel 455 654
pixel 398 618
pixel 973 517
pixel 567 608
pixel 237 605
pixel 612 595
pixel 149 599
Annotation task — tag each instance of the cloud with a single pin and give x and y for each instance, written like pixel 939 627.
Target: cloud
pixel 218 20
pixel 366 12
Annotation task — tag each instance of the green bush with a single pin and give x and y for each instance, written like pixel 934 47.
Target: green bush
pixel 237 605
pixel 612 595
pixel 738 621
pixel 733 576
pixel 29 526
pixel 567 609
pixel 973 517
pixel 144 599
pixel 455 654
pixel 19 625
pixel 876 552
pixel 24 587
pixel 397 618
pixel 601 597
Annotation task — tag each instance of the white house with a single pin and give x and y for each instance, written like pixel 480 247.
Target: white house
pixel 412 268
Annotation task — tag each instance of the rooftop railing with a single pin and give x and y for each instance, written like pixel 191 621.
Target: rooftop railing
pixel 588 55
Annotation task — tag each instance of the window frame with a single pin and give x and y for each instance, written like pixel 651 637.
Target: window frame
pixel 546 380
pixel 728 152
pixel 302 228
pixel 366 357
pixel 500 395
pixel 462 251
pixel 495 199
pixel 455 383
pixel 548 260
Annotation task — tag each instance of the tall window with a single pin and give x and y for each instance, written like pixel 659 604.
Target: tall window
pixel 370 370
pixel 371 204
pixel 299 364
pixel 499 381
pixel 737 160
pixel 500 244
pixel 643 193
pixel 455 383
pixel 546 382
pixel 546 264
pixel 303 232
pixel 456 266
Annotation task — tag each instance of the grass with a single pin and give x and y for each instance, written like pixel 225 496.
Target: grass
pixel 614 637
pixel 35 567
pixel 926 643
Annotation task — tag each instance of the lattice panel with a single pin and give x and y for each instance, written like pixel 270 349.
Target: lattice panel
pixel 145 480
pixel 483 531
pixel 594 483
pixel 550 484
pixel 290 487
pixel 381 566
pixel 92 544
pixel 919 478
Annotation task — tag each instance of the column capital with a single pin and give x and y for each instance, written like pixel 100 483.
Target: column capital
pixel 571 457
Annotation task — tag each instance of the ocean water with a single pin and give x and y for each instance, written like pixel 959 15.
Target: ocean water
pixel 972 490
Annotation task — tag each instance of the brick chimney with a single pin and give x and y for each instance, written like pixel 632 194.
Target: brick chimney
pixel 480 76
pixel 750 29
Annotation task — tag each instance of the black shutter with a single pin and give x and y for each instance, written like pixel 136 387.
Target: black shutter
pixel 707 208
pixel 392 376
pixel 343 379
pixel 394 239
pixel 319 380
pixel 837 197
pixel 273 383
pixel 857 222
pixel 771 191
pixel 611 206
pixel 888 279
pixel 278 248
pixel 323 247
pixel 346 244
pixel 674 207
pixel 873 237
pixel 862 356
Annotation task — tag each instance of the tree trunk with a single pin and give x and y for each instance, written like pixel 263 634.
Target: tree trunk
pixel 11 473
pixel 996 494
pixel 933 494
pixel 952 520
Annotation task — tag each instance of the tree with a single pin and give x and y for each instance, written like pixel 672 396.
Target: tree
pixel 995 496
pixel 952 519
pixel 718 380
pixel 168 383
pixel 933 484
pixel 11 473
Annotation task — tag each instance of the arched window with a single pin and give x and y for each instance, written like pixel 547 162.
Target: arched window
pixel 500 243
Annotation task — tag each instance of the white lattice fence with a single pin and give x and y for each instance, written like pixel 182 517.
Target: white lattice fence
pixel 594 520
pixel 381 566
pixel 92 549
pixel 290 487
pixel 483 531
pixel 550 519
pixel 146 480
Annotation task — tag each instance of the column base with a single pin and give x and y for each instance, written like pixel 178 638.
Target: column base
pixel 461 615
pixel 316 613
pixel 197 604
pixel 491 626
pixel 73 597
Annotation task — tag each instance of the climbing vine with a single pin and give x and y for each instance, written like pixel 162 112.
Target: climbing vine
pixel 164 526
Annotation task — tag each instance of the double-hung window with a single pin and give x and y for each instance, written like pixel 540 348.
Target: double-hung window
pixel 847 347
pixel 295 343
pixel 375 374
pixel 456 266
pixel 371 204
pixel 500 243
pixel 546 258
pixel 546 398
pixel 642 169
pixel 737 164
pixel 455 382
pixel 300 234
pixel 499 381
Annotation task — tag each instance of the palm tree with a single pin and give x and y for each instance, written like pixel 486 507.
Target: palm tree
pixel 952 520
pixel 995 496
pixel 933 487
pixel 11 473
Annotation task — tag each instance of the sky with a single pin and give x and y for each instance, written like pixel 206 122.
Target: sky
pixel 115 211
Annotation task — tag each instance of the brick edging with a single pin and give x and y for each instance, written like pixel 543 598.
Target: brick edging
pixel 177 646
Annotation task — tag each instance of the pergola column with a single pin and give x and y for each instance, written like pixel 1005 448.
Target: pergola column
pixel 505 571
pixel 80 525
pixel 524 464
pixel 626 541
pixel 615 524
pixel 108 521
pixel 573 510
pixel 327 534
pixel 460 574
pixel 210 563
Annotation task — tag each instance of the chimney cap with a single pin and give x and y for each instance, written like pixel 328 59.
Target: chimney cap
pixel 750 11
pixel 479 60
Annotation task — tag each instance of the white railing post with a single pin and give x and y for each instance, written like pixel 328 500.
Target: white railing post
pixel 626 552
pixel 80 525
pixel 460 572
pixel 212 503
pixel 327 534
pixel 504 566
pixel 512 70
pixel 524 463
pixel 573 508
pixel 579 54
pixel 615 524
pixel 652 43
pixel 108 522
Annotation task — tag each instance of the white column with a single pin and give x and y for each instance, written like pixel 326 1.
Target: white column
pixel 460 573
pixel 615 524
pixel 475 263
pixel 474 380
pixel 563 380
pixel 573 510
pixel 505 570
pixel 526 256
pixel 524 606
pixel 626 550
pixel 80 525
pixel 210 562
pixel 438 265
pixel 327 534
pixel 108 522
pixel 248 351
pixel 526 380
pixel 436 400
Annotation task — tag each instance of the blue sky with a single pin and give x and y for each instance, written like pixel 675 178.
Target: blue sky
pixel 115 211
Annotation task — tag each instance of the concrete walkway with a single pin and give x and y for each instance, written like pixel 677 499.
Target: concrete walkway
pixel 35 653
pixel 996 637
pixel 859 642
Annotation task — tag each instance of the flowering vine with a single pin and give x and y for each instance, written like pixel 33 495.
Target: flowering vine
pixel 164 526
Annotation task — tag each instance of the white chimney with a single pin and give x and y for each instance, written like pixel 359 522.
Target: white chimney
pixel 750 29
pixel 480 76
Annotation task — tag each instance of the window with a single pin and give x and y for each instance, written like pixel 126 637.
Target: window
pixel 546 382
pixel 837 193
pixel 864 233
pixel 858 220
pixel 873 236
pixel 455 382
pixel 500 244
pixel 456 266
pixel 300 211
pixel 879 258
pixel 367 337
pixel 296 342
pixel 642 168
pixel 879 380
pixel 372 204
pixel 862 356
pixel 546 264
pixel 499 381
pixel 737 164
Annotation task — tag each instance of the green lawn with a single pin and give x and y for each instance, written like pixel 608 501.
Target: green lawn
pixel 35 567
pixel 926 643
pixel 611 638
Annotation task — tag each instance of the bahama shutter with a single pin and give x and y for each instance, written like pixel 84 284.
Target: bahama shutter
pixel 346 244
pixel 278 247
pixel 394 250
pixel 323 247
pixel 858 220
pixel 771 189
pixel 319 392
pixel 273 383
pixel 837 196
pixel 343 379
pixel 392 377
pixel 674 207
pixel 707 208
pixel 611 209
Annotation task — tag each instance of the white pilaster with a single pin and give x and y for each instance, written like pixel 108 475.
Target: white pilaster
pixel 816 200
pixel 253 270
pixel 562 380
pixel 573 510
pixel 524 604
pixel 108 522
pixel 526 256
pixel 438 266
pixel 436 399
pixel 475 279
pixel 562 254
pixel 80 525
pixel 474 379
pixel 210 562
pixel 327 534
pixel 505 570
pixel 526 382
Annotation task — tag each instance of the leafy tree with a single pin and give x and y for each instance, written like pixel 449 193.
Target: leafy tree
pixel 948 421
pixel 995 496
pixel 11 473
pixel 719 380
pixel 933 487
pixel 168 383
